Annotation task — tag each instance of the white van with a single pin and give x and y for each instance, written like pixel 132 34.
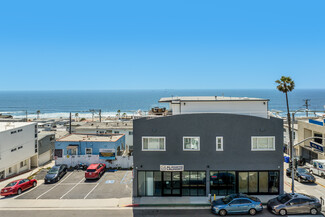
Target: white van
pixel 318 168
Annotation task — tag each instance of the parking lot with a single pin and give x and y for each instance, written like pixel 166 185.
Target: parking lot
pixel 73 185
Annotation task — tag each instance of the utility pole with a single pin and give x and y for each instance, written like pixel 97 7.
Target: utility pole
pixel 100 115
pixel 292 156
pixel 70 124
pixel 306 105
pixel 26 116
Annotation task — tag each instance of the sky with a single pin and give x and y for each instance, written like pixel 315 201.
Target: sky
pixel 183 44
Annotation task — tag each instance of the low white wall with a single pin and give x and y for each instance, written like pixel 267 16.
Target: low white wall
pixel 122 162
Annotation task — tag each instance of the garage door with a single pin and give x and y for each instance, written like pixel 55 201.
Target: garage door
pixel 44 158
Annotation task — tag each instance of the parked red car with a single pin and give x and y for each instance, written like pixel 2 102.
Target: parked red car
pixel 18 186
pixel 95 171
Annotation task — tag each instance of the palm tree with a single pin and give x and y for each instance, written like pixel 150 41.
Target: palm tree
pixel 285 85
pixel 38 112
pixel 119 113
pixel 76 115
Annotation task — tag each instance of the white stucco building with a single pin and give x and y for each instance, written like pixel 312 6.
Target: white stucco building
pixel 217 104
pixel 18 147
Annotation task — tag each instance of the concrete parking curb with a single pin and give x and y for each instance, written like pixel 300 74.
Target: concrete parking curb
pixel 169 205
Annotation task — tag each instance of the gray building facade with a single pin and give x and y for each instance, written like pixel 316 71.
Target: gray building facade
pixel 199 154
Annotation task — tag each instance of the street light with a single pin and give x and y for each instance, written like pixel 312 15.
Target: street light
pixel 293 162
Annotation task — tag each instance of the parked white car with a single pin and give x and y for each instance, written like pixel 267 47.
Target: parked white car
pixel 318 168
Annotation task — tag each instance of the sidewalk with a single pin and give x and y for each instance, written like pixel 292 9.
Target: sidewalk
pixel 183 201
pixel 64 204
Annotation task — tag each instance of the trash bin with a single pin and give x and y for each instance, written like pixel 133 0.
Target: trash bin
pixel 286 159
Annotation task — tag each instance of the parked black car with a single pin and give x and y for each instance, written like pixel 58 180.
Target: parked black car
pixel 302 175
pixel 56 173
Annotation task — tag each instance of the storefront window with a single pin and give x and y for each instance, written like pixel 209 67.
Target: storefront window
pixel 252 187
pixel 273 182
pixel 157 183
pixel 185 183
pixel 149 184
pixel 141 183
pixel 263 182
pixel 252 182
pixel 201 184
pixel 193 183
pixel 222 182
pixel 243 182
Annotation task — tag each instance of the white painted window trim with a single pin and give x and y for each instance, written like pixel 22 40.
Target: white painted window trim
pixel 197 137
pixel 156 137
pixel 86 151
pixel 219 137
pixel 253 137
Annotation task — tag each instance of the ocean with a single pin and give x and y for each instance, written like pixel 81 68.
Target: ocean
pixel 54 104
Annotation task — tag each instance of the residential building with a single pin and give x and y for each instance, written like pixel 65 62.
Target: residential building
pixel 46 146
pixel 91 148
pixel 116 127
pixel 220 145
pixel 18 147
pixel 313 148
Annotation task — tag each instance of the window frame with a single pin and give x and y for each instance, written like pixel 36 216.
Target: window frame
pixel 199 146
pixel 261 137
pixel 219 137
pixel 86 151
pixel 155 137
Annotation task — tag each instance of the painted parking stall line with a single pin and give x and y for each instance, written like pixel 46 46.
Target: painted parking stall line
pixel 72 188
pixel 91 190
pixel 123 181
pixel 53 186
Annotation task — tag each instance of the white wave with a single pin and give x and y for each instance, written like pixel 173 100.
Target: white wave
pixel 80 115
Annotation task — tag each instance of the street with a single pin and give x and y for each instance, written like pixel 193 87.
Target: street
pixel 315 189
pixel 125 213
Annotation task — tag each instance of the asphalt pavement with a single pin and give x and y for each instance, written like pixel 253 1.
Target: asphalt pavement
pixel 73 185
pixel 126 213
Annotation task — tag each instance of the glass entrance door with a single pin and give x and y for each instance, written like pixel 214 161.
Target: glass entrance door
pixel 171 183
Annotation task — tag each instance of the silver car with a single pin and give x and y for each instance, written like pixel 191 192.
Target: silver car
pixel 294 204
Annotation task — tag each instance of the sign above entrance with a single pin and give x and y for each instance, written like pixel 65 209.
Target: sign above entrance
pixel 171 167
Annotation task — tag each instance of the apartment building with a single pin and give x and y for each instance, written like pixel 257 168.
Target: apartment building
pixel 18 147
pixel 209 145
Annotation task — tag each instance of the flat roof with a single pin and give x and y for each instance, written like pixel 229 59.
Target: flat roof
pixel 44 134
pixel 75 137
pixel 13 125
pixel 209 99
pixel 107 125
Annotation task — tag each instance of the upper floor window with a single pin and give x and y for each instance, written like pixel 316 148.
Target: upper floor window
pixel 263 143
pixel 191 143
pixel 219 142
pixel 153 143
